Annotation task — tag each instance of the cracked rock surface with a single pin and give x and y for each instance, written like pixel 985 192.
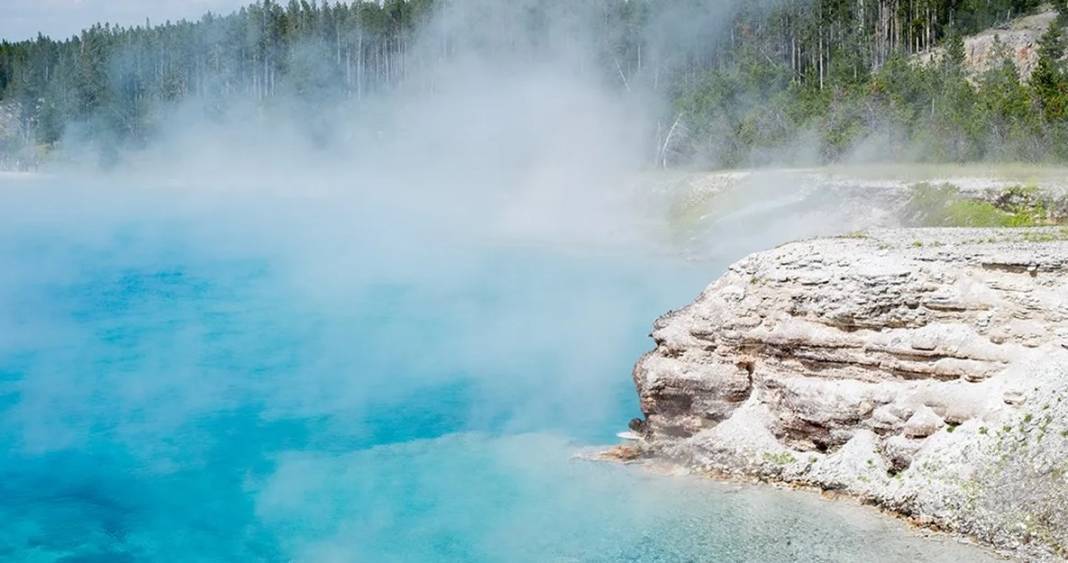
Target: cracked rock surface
pixel 925 370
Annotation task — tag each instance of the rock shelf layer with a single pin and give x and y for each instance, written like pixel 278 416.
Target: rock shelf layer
pixel 925 370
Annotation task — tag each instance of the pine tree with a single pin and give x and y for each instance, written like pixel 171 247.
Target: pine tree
pixel 1062 11
pixel 955 51
pixel 1048 80
pixel 1007 106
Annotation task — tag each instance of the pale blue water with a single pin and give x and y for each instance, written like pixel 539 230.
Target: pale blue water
pixel 180 383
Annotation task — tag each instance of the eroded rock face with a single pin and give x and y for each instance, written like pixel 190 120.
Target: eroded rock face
pixel 1018 38
pixel 926 370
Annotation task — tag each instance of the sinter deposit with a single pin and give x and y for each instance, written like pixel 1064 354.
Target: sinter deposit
pixel 925 370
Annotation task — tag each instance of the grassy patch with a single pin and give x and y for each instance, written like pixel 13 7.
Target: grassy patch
pixel 973 213
pixel 944 205
pixel 779 458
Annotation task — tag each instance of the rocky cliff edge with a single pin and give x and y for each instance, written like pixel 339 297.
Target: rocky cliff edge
pixel 924 370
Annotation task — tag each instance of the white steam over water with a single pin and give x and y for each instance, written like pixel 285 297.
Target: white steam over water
pixel 369 331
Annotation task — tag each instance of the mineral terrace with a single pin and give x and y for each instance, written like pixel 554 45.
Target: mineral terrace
pixel 924 370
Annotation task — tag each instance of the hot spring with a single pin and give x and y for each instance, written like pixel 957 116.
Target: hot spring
pixel 288 379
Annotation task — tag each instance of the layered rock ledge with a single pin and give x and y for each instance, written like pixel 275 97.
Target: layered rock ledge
pixel 925 370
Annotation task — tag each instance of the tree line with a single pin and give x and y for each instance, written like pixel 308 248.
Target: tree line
pixel 111 77
pixel 867 96
pixel 744 78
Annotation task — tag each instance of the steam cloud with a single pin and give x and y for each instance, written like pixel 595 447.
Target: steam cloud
pixel 299 261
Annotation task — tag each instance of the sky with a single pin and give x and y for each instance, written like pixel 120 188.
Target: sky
pixel 23 19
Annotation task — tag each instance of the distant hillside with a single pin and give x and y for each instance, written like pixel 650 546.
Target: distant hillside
pixel 730 83
pixel 1019 36
pixel 996 92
